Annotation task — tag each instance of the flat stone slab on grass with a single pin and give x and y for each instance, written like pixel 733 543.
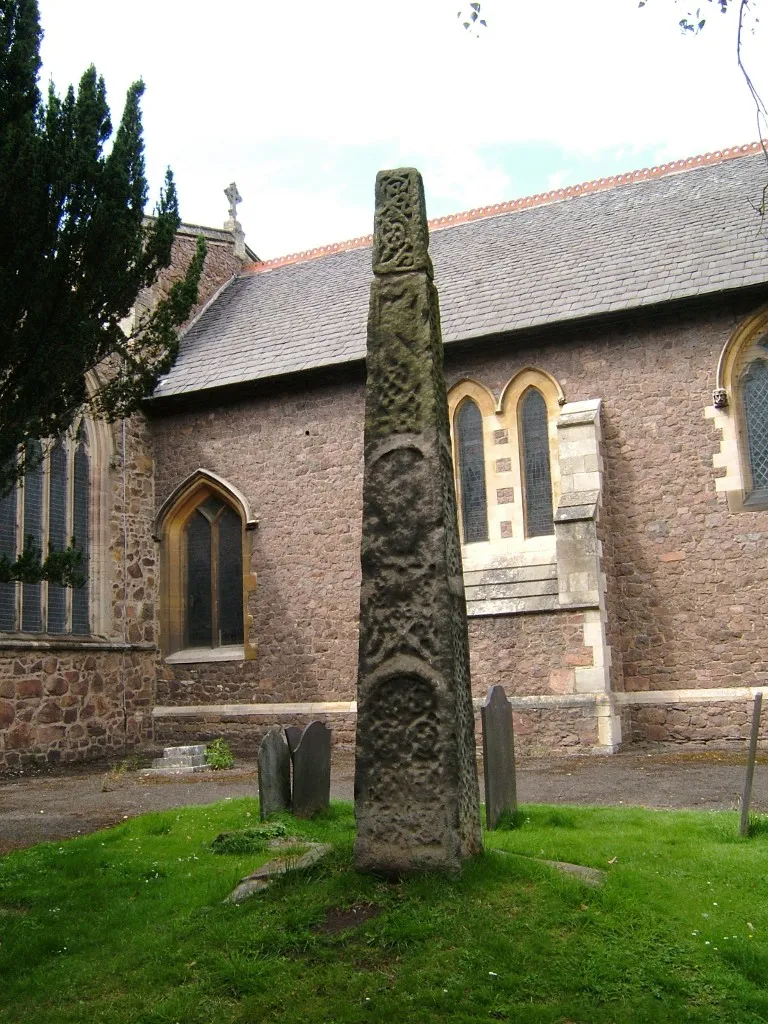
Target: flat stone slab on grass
pixel 589 876
pixel 260 879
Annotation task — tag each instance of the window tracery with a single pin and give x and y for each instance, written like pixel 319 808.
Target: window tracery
pixel 46 509
pixel 204 528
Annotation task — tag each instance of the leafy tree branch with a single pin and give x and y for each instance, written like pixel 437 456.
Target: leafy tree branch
pixel 77 250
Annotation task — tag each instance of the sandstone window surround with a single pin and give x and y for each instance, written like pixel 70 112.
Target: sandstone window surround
pixel 205 531
pixel 65 496
pixel 521 571
pixel 740 412
pixel 556 564
pixel 519 454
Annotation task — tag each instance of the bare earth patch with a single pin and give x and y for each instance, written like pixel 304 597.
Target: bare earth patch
pixel 339 919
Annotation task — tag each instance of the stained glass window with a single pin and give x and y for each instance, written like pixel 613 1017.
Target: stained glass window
pixel 755 397
pixel 31 619
pixel 469 444
pixel 214 574
pixel 57 533
pixel 45 509
pixel 80 528
pixel 230 578
pixel 537 476
pixel 8 548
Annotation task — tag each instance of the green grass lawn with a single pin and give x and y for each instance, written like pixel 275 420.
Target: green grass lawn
pixel 128 925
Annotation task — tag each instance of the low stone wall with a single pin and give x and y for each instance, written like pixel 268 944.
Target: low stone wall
pixel 244 733
pixel 59 705
pixel 551 731
pixel 723 725
pixel 226 682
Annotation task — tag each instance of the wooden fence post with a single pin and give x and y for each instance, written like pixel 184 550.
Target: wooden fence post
pixel 745 800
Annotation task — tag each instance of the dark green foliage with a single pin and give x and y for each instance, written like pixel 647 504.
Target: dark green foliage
pixel 248 840
pixel 64 568
pixel 76 251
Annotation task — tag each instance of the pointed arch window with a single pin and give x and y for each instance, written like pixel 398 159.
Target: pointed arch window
pixel 754 395
pixel 214 575
pixel 536 471
pixel 205 530
pixel 471 466
pixel 47 508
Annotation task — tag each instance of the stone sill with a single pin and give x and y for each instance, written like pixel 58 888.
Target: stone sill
pixel 335 707
pixel 201 655
pixel 7 644
pixel 701 695
pixel 525 606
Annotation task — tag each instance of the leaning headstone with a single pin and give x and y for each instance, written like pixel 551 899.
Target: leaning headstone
pixel 312 770
pixel 416 795
pixel 274 773
pixel 498 756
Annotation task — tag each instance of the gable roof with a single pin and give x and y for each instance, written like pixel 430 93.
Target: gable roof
pixel 666 234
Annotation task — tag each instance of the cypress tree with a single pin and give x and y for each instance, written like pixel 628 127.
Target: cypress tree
pixel 75 249
pixel 75 252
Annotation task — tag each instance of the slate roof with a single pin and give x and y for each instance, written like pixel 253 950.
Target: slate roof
pixel 649 241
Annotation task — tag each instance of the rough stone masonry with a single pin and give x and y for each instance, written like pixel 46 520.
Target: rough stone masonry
pixel 416 795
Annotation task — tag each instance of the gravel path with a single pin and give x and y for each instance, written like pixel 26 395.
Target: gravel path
pixel 40 806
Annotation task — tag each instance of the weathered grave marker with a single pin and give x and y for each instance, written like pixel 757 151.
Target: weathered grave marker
pixel 416 796
pixel 293 735
pixel 274 761
pixel 498 756
pixel 312 770
pixel 751 758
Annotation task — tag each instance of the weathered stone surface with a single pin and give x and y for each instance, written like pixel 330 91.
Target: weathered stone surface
pixel 312 770
pixel 261 878
pixel 293 735
pixel 416 798
pixel 498 756
pixel 274 773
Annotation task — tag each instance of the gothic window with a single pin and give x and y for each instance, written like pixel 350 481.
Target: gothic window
pixel 214 576
pixel 471 472
pixel 204 528
pixel 535 464
pixel 47 509
pixel 754 396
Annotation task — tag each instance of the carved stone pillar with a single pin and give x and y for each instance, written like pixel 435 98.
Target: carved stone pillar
pixel 416 795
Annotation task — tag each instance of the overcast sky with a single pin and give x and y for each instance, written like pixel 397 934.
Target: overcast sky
pixel 301 101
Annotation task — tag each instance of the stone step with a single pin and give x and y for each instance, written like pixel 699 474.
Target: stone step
pixel 190 751
pixel 180 761
pixel 178 771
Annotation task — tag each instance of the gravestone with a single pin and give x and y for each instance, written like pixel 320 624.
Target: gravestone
pixel 498 756
pixel 312 770
pixel 274 761
pixel 293 735
pixel 416 795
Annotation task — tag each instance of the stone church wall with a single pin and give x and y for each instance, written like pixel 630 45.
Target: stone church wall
pixel 73 699
pixel 76 699
pixel 684 577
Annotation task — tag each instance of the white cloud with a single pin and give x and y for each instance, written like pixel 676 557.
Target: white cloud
pixel 226 80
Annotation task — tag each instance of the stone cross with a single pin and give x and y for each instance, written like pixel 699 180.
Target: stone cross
pixel 498 756
pixel 234 198
pixel 416 796
pixel 274 760
pixel 312 770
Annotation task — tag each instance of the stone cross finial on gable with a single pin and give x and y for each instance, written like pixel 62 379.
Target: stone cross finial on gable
pixel 234 198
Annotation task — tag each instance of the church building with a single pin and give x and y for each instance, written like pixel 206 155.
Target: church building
pixel 606 357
